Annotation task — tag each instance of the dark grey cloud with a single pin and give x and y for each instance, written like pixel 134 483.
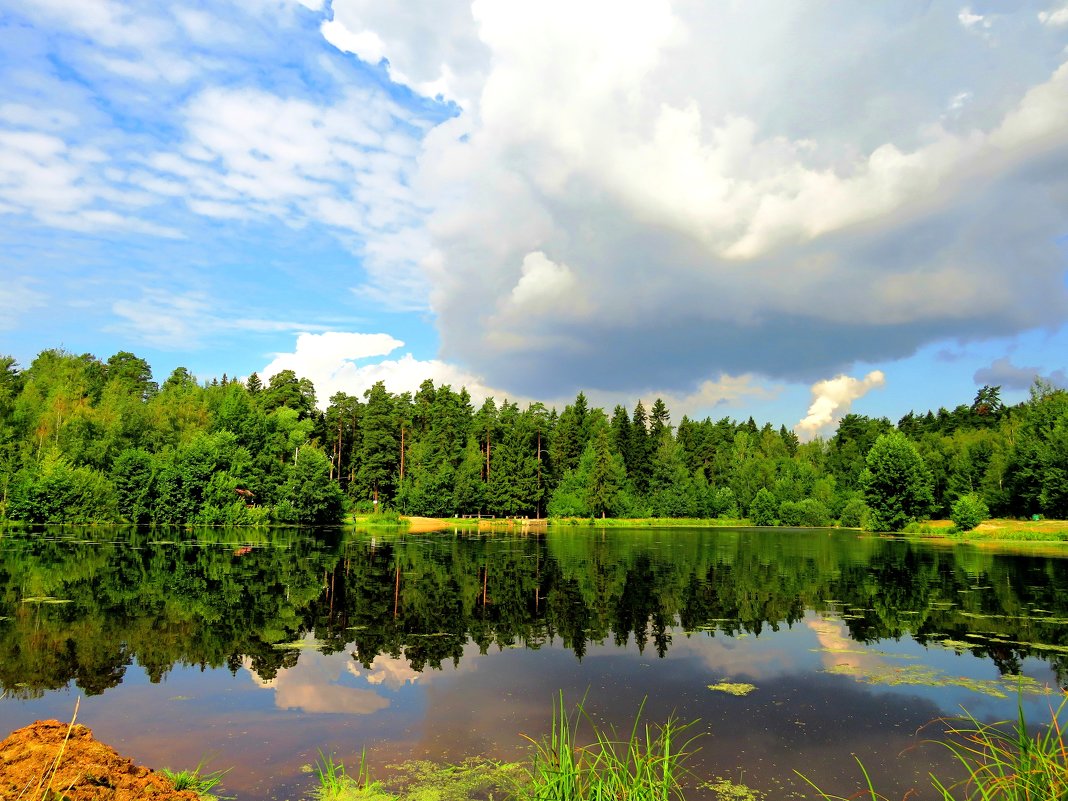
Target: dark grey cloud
pixel 1002 372
pixel 828 187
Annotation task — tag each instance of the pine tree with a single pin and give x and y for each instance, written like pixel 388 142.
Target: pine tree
pixel 378 453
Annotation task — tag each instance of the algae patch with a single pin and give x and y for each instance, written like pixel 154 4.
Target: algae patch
pixel 919 675
pixel 733 688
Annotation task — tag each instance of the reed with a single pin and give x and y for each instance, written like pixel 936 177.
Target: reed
pixel 1001 761
pixel 1004 761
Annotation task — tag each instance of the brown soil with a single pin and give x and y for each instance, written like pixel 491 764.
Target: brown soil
pixel 87 771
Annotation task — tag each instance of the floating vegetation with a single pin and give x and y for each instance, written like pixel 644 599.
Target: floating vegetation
pixel 727 790
pixel 733 688
pixel 1043 646
pixel 45 599
pixel 299 645
pixel 894 676
pixel 958 645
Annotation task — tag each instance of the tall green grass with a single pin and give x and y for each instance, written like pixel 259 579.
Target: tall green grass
pixel 646 766
pixel 1001 761
pixel 199 780
pixel 1004 761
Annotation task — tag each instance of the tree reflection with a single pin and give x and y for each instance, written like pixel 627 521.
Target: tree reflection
pixel 83 611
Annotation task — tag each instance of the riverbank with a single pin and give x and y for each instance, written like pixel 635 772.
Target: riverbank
pixel 50 760
pixel 990 531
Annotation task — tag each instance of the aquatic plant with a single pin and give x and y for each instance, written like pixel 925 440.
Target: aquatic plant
pixel 198 780
pixel 1002 761
pixel 335 784
pixel 733 687
pixel 646 766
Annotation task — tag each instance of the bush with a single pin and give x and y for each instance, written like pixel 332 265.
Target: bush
pixel 763 509
pixel 968 512
pixel 790 513
pixel 814 514
pixel 854 514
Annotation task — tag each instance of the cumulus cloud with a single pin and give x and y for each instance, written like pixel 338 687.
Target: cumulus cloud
pixel 832 399
pixel 1002 372
pixel 723 211
pixel 332 361
pixel 431 45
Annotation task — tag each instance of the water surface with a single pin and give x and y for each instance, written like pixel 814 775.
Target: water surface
pixel 259 651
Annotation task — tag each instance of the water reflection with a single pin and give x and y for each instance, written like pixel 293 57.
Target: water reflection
pixel 448 645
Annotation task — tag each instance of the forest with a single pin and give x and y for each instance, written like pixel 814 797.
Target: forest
pixel 84 440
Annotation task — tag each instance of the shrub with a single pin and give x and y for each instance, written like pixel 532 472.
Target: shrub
pixel 968 512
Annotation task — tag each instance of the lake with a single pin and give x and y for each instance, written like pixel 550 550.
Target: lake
pixel 258 651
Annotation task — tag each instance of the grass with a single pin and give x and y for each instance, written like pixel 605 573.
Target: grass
pixel 659 522
pixel 197 780
pixel 1001 761
pixel 646 766
pixel 995 530
pixel 1004 761
pixel 336 785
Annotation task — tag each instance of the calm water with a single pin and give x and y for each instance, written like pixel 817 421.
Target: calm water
pixel 257 654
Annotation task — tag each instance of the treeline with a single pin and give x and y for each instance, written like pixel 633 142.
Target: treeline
pixel 87 440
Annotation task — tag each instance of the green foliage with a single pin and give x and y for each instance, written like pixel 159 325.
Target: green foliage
pixel 197 781
pixel 763 509
pixel 647 765
pixel 896 483
pixel 854 514
pixel 314 498
pixel 968 512
pixel 185 453
pixel 55 491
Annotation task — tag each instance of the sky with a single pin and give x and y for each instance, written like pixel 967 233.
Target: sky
pixel 784 209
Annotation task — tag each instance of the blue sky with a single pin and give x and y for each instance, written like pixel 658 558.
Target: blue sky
pixel 782 209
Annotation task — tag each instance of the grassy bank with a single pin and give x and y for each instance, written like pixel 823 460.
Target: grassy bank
pixel 997 530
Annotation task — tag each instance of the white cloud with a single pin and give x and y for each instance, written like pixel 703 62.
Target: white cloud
pixel 543 284
pixel 969 19
pixel 431 45
pixel 250 153
pixel 332 361
pixel 832 399
pixel 1055 17
pixel 313 686
pixel 175 320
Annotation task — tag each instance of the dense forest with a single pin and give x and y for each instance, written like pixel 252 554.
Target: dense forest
pixel 85 440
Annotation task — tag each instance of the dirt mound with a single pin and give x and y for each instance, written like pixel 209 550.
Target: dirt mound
pixel 87 771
